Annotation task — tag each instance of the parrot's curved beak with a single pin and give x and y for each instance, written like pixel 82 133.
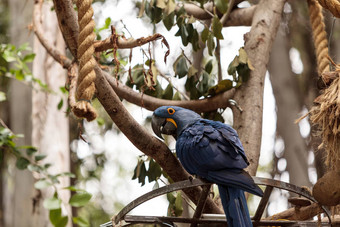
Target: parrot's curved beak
pixel 162 126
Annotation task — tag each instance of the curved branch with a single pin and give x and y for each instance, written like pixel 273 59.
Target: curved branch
pixel 237 17
pixel 151 103
pixel 142 139
pixel 109 42
pixel 249 96
pixel 39 31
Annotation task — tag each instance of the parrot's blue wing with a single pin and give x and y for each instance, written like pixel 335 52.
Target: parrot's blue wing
pixel 229 134
pixel 204 151
pixel 236 179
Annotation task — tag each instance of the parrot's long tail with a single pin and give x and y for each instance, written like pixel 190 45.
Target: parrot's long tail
pixel 235 207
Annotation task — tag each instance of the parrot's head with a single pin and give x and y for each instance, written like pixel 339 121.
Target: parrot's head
pixel 171 120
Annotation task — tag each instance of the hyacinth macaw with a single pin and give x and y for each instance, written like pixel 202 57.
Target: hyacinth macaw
pixel 211 150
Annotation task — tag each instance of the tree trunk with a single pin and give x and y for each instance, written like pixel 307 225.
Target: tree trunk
pixel 36 116
pixel 18 188
pixel 258 43
pixel 50 125
pixel 286 92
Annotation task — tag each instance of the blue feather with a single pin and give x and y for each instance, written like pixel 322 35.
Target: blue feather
pixel 213 150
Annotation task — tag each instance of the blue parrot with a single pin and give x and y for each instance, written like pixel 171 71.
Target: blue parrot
pixel 211 150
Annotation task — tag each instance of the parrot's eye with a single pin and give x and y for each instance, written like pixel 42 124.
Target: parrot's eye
pixel 171 111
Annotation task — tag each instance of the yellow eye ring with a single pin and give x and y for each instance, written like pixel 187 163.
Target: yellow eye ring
pixel 171 111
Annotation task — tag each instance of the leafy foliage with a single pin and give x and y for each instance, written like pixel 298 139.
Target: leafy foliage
pixel 28 157
pixel 19 59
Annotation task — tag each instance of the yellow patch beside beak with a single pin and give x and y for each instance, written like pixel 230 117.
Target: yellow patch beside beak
pixel 172 121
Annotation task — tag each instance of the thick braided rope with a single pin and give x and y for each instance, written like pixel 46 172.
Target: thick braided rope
pixel 327 112
pixel 332 5
pixel 87 75
pixel 319 35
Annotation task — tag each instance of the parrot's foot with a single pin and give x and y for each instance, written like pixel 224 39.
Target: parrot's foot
pixel 191 178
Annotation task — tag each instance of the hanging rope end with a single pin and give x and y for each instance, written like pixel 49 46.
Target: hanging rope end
pixel 84 109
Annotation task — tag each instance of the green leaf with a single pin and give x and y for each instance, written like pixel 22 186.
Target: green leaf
pixel 184 35
pixel 181 67
pixel 80 199
pixel 168 92
pixel 217 27
pixel 2 96
pixel 100 121
pixel 60 104
pixel 222 86
pixel 74 189
pixel 192 71
pixel 222 5
pixel 41 184
pixel 39 157
pixel 154 171
pixel 80 221
pixel 208 67
pixel 22 163
pixel 62 222
pixel 175 207
pixel 35 168
pixel 29 57
pixel 193 37
pixel 204 82
pixel 177 96
pixel 243 57
pixel 66 174
pixel 211 44
pixel 244 71
pixel 52 203
pixel 142 174
pixel 55 216
pixel 30 150
pixel 178 204
pixel 107 22
pixel 168 21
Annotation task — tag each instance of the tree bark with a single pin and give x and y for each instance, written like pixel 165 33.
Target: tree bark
pixel 18 188
pixel 258 43
pixel 50 133
pixel 286 92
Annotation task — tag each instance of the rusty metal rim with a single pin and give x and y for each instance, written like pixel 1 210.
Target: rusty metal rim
pixel 269 183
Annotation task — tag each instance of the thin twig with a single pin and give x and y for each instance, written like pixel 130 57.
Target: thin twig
pixel 169 81
pixel 39 32
pixel 226 15
pixel 218 58
pixel 4 125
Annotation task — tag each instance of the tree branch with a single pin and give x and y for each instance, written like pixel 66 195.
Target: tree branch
pixel 237 17
pixel 39 31
pixel 142 139
pixel 152 103
pixel 68 23
pixel 294 213
pixel 249 96
pixel 127 43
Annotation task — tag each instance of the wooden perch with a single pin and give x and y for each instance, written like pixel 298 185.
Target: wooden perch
pixel 296 213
